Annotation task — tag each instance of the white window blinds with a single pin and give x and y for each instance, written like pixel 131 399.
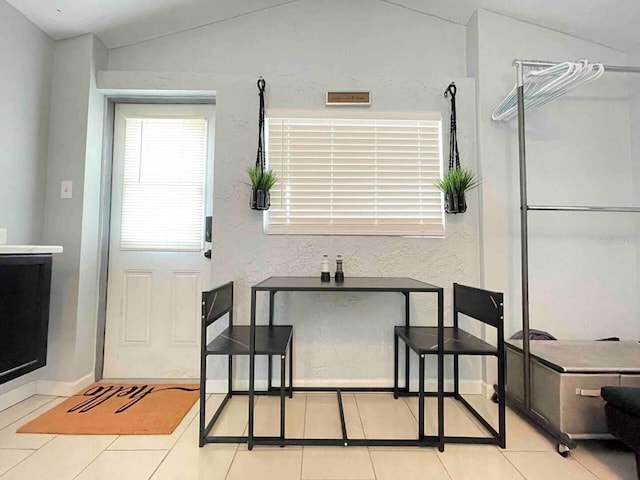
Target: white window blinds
pixel 164 184
pixel 356 176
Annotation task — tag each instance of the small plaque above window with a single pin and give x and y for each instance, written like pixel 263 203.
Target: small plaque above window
pixel 348 98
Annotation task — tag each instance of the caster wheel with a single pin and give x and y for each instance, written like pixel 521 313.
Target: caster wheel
pixel 494 398
pixel 563 450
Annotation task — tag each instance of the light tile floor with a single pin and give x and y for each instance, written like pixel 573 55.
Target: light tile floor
pixel 530 455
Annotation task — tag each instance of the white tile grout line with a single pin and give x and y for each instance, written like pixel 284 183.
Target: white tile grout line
pixel 474 420
pixel 570 459
pixel 577 459
pixel 29 412
pixel 140 449
pixel 446 470
pixel 159 463
pixel 196 418
pixel 364 433
pixel 96 457
pixel 235 452
pixel 355 399
pixel 513 464
pixel 406 402
pixel 233 459
pixel 238 445
pixel 33 450
pixel 586 467
pixel 304 429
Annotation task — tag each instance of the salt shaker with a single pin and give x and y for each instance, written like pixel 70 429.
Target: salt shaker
pixel 325 276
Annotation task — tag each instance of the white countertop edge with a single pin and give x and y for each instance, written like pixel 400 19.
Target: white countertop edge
pixel 29 249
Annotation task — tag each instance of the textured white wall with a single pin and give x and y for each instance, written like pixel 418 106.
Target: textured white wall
pixel 88 292
pixel 304 49
pixel 26 56
pixel 63 217
pixel 582 276
pixel 326 328
pixel 75 140
pixel 373 39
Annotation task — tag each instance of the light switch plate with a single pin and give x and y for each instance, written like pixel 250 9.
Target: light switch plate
pixel 66 189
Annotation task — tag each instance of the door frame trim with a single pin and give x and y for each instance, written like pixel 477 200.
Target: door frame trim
pixel 105 201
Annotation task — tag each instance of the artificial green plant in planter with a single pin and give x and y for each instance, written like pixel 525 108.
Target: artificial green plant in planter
pixel 454 184
pixel 261 184
pixel 262 179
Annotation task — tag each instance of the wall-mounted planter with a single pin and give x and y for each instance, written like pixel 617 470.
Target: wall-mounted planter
pixel 260 199
pixel 455 203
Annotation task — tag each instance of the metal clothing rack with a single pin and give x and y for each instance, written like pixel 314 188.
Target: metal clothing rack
pixel 525 208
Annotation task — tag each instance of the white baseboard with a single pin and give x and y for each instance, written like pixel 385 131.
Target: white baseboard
pixel 487 390
pixel 44 387
pixel 66 389
pixel 63 389
pixel 220 386
pixel 469 387
pixel 17 395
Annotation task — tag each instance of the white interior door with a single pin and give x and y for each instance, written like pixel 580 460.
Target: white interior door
pixel 161 192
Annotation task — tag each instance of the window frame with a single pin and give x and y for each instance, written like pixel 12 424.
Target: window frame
pixel 194 114
pixel 357 114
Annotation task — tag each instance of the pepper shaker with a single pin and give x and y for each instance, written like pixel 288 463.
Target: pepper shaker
pixel 339 273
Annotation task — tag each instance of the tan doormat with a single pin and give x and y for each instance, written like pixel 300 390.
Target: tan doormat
pixel 118 409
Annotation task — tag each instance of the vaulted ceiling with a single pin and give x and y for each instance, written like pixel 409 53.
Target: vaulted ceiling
pixel 613 23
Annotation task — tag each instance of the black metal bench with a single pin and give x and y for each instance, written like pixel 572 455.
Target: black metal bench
pixel 234 340
pixel 482 305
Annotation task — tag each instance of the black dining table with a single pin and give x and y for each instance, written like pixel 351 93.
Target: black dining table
pixel 401 285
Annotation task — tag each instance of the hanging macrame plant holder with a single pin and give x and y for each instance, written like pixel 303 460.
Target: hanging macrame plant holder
pixel 454 202
pixel 260 199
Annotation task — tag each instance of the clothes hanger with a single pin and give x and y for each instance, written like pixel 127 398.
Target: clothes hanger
pixel 556 87
pixel 584 73
pixel 533 81
pixel 545 85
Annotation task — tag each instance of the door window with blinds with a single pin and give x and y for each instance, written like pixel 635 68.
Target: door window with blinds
pixel 356 174
pixel 164 184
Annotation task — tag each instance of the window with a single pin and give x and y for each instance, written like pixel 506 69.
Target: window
pixel 164 184
pixel 363 174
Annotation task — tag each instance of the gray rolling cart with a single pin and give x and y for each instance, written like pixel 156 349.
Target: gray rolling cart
pixel 566 378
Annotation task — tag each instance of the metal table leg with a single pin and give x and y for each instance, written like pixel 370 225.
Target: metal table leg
pixel 441 370
pixel 421 399
pixel 291 366
pixel 252 367
pixel 282 396
pixel 395 365
pixel 270 359
pixel 407 322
